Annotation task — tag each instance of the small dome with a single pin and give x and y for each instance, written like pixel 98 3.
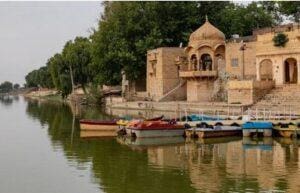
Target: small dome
pixel 207 32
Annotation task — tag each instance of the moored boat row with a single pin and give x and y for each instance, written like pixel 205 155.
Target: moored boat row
pixel 159 127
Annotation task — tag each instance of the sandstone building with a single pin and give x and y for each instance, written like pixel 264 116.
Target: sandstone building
pixel 213 68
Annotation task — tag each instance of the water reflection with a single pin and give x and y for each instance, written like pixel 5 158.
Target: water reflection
pixel 171 165
pixel 116 168
pixel 7 100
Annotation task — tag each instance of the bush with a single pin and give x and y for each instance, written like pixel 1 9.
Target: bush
pixel 280 40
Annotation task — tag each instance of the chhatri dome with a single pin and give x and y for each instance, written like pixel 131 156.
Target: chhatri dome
pixel 206 32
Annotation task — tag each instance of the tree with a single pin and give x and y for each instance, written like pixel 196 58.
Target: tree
pixel 290 8
pixel 73 63
pixel 60 74
pixel 77 56
pixel 6 87
pixel 242 20
pixel 39 78
pixel 128 29
pixel 16 86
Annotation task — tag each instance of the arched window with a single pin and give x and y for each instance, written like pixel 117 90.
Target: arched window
pixel 206 62
pixel 194 62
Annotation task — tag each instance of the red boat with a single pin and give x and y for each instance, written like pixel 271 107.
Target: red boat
pixel 108 128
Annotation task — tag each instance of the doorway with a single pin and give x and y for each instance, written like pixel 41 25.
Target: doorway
pixel 290 71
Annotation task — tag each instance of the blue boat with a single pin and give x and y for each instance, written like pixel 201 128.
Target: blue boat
pixel 257 128
pixel 195 117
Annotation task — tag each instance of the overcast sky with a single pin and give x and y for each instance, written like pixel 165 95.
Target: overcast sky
pixel 31 32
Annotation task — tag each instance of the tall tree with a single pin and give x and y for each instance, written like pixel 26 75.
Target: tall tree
pixel 40 77
pixel 77 56
pixel 60 74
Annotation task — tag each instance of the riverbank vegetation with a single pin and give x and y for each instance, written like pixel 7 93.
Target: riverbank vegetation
pixel 126 30
pixel 6 87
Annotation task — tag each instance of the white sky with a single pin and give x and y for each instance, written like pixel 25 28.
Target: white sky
pixel 31 32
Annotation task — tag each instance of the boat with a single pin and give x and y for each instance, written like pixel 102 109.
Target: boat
pixel 122 123
pixel 287 130
pixel 215 131
pixel 257 128
pixel 154 129
pixel 107 128
pixel 195 117
pixel 96 125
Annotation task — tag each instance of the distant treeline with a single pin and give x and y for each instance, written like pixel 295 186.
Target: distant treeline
pixel 6 87
pixel 127 30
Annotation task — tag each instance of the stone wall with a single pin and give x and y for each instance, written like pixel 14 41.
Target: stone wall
pixel 233 51
pixel 247 91
pixel 265 50
pixel 162 73
pixel 261 88
pixel 199 90
pixel 109 100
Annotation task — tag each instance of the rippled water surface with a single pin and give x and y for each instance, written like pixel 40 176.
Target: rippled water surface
pixel 42 152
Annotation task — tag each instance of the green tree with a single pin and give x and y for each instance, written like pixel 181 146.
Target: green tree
pixel 16 86
pixel 39 78
pixel 128 29
pixel 6 87
pixel 77 56
pixel 60 74
pixel 75 61
pixel 290 8
pixel 242 20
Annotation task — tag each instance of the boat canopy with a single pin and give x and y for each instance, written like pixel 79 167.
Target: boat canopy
pixel 257 125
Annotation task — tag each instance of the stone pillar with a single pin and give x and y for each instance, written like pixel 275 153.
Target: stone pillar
pixel 257 70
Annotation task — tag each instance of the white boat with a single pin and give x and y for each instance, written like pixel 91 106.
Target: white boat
pixel 145 129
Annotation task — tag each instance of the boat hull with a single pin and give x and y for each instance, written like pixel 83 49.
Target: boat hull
pixel 221 131
pixel 95 127
pixel 139 133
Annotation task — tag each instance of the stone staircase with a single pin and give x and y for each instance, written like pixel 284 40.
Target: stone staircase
pixel 282 99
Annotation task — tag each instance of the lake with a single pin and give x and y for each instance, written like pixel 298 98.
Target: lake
pixel 43 151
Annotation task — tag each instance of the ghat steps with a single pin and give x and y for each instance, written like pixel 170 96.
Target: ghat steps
pixel 281 99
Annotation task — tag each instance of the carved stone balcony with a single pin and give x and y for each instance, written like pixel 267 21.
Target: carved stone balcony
pixel 202 73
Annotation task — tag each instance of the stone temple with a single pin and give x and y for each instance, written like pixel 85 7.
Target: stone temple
pixel 211 68
pixel 238 70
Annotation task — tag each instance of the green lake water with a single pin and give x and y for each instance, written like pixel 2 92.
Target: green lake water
pixel 43 151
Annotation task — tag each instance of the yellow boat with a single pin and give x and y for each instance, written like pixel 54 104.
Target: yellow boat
pixel 285 130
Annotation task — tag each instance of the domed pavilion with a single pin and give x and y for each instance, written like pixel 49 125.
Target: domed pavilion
pixel 206 46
